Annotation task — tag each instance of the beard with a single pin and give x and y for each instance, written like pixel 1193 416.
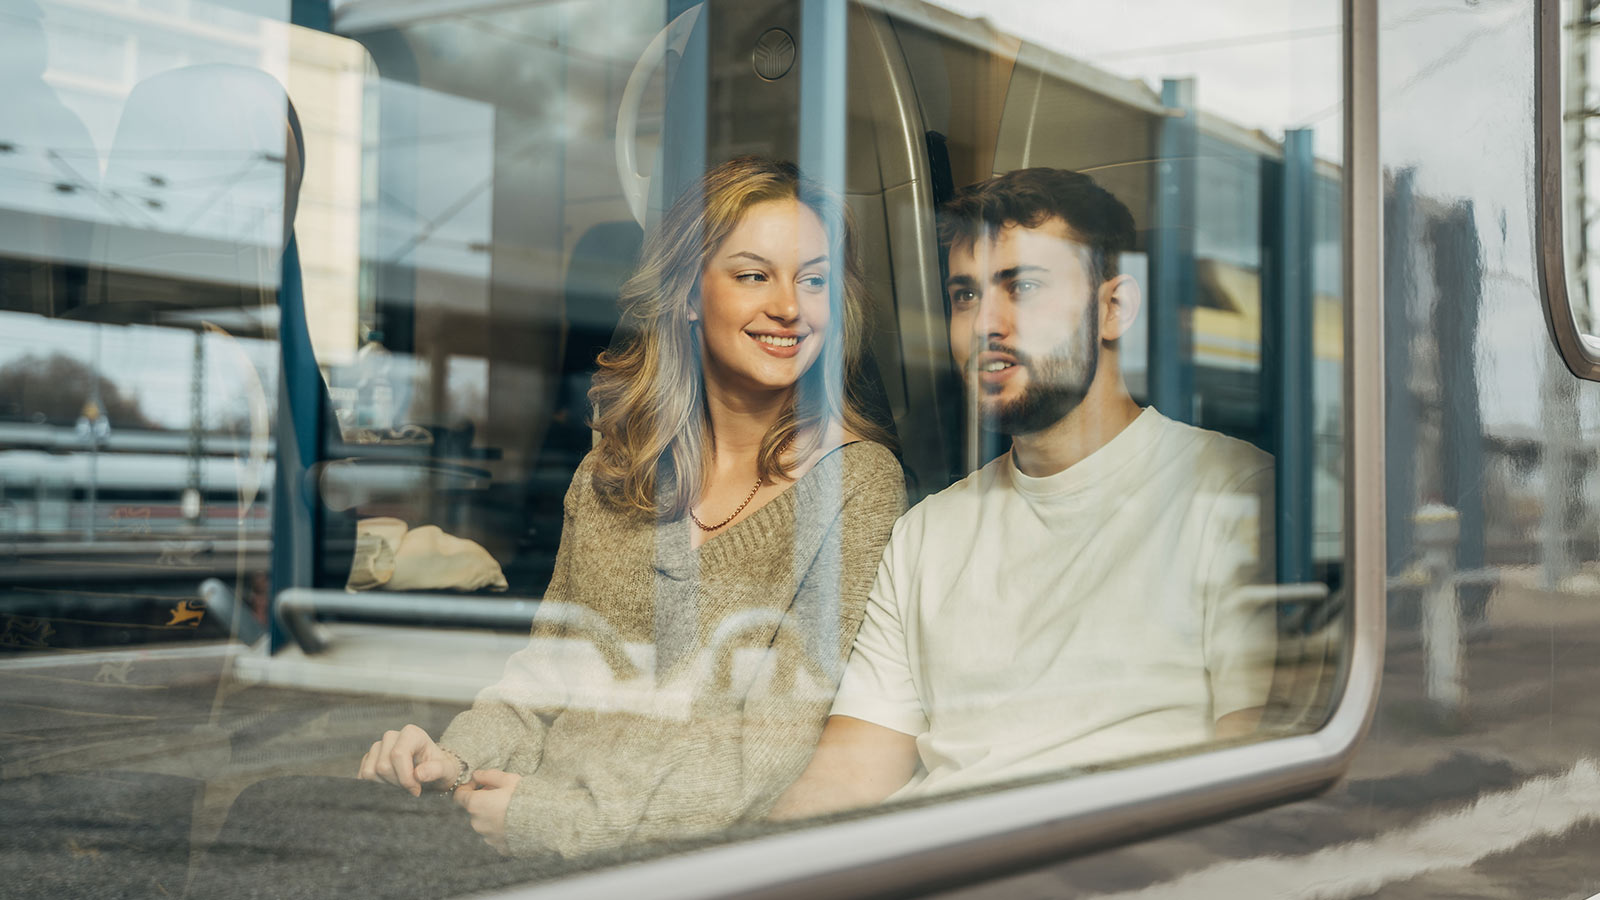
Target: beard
pixel 1057 382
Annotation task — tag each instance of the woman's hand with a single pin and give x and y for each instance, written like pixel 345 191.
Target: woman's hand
pixel 485 798
pixel 410 759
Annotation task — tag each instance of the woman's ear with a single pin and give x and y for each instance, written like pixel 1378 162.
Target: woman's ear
pixel 1120 300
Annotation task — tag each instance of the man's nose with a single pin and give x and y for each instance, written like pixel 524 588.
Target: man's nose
pixel 994 317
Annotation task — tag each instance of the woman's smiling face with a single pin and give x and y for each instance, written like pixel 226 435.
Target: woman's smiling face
pixel 763 309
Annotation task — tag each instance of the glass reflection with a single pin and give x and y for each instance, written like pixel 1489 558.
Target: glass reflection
pixel 390 427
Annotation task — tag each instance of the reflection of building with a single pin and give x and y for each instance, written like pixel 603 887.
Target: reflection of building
pixel 1469 424
pixel 67 175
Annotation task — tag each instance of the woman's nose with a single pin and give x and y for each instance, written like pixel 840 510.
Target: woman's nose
pixel 783 303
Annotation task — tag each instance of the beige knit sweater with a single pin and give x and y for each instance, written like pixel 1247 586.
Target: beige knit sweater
pixel 703 697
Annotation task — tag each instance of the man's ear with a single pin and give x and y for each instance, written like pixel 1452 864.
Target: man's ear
pixel 1120 300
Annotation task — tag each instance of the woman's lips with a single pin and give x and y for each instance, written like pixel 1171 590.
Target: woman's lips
pixel 781 346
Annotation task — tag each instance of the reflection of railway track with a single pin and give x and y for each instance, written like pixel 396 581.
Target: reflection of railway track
pixel 157 559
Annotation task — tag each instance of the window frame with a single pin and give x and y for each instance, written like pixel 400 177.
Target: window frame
pixel 968 838
pixel 1580 352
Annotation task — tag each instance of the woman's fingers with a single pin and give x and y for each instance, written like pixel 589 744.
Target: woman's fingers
pixel 438 767
pixel 410 746
pixel 368 771
pixel 486 799
pixel 384 765
pixel 494 778
pixel 394 757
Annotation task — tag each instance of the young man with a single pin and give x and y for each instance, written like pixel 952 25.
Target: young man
pixel 1078 600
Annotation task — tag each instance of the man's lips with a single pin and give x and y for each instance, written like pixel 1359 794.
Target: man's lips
pixel 993 369
pixel 991 361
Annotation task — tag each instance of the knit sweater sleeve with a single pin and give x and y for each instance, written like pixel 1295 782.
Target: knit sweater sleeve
pixel 780 731
pixel 496 727
pixel 733 758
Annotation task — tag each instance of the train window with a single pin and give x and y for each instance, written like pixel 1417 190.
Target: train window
pixel 1567 154
pixel 528 438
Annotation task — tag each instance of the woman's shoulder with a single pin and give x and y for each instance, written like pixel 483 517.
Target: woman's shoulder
pixel 868 455
pixel 582 491
pixel 869 464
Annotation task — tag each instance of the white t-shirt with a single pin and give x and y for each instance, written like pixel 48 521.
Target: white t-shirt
pixel 1026 625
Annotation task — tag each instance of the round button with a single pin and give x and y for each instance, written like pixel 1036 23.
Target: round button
pixel 773 55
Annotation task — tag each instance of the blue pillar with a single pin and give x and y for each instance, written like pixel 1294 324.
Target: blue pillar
pixel 1287 321
pixel 822 135
pixel 681 157
pixel 313 14
pixel 823 40
pixel 296 525
pixel 1172 254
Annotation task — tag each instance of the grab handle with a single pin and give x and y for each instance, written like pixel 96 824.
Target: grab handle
pixel 674 37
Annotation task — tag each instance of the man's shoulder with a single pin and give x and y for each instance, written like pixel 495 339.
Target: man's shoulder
pixel 1213 457
pixel 959 501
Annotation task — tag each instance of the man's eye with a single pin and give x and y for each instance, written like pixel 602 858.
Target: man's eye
pixel 1025 287
pixel 963 298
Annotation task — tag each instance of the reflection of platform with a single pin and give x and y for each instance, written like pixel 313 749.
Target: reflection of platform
pixel 421 663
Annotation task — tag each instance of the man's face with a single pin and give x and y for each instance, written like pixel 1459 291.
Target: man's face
pixel 1024 324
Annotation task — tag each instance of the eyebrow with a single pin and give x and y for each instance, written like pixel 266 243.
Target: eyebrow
pixel 1011 273
pixel 746 254
pixel 1001 276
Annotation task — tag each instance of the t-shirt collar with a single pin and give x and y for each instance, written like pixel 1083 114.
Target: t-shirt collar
pixel 1095 468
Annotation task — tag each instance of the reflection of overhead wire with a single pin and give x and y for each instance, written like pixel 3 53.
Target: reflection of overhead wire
pixel 432 225
pixel 1243 40
pixel 221 190
pixel 1450 55
pixel 481 24
pixel 81 183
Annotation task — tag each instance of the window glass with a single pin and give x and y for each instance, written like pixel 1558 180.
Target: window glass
pixel 1570 51
pixel 422 408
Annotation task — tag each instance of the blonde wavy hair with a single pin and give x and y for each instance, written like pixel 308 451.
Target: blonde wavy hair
pixel 649 393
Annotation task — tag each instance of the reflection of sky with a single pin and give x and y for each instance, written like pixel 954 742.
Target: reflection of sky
pixel 435 203
pixel 1266 64
pixel 66 66
pixel 1456 106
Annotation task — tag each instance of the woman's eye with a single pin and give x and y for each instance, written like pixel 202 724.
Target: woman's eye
pixel 814 282
pixel 750 277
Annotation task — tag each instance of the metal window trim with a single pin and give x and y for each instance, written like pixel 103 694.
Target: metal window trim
pixel 946 843
pixel 1580 352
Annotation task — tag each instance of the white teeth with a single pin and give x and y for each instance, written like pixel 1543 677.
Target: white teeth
pixel 776 341
pixel 995 365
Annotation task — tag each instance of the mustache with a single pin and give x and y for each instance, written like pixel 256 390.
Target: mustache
pixel 971 367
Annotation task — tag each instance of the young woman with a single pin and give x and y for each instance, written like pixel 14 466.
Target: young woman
pixel 738 498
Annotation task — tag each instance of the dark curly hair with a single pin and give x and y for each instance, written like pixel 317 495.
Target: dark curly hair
pixel 1029 197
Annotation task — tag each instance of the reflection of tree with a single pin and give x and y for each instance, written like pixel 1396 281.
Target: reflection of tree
pixel 55 388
